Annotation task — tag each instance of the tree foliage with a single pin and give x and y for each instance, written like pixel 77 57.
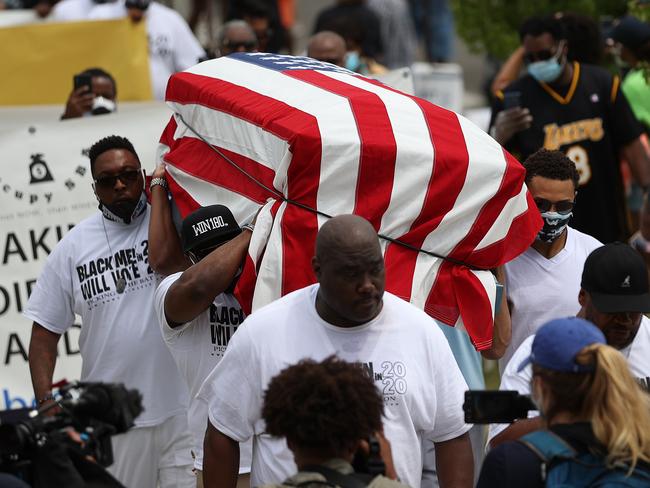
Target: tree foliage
pixel 492 25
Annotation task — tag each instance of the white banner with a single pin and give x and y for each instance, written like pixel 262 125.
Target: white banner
pixel 45 189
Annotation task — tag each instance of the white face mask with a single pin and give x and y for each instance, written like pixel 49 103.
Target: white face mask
pixel 103 105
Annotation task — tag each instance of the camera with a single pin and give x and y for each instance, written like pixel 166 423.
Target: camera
pixel 30 439
pixel 370 463
pixel 496 406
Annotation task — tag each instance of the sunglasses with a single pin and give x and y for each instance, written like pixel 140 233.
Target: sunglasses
pixel 232 46
pixel 562 207
pixel 196 256
pixel 126 177
pixel 543 55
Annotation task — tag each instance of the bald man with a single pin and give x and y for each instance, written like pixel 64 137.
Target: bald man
pixel 349 314
pixel 237 36
pixel 327 46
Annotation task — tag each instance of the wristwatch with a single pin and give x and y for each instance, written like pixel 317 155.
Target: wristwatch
pixel 250 226
pixel 158 181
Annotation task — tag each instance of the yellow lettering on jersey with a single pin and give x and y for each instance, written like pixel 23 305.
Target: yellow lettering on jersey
pixel 556 136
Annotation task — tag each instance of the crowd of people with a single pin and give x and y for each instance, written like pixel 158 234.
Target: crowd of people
pixel 342 383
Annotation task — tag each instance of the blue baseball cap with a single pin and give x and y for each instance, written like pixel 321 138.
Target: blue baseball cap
pixel 558 342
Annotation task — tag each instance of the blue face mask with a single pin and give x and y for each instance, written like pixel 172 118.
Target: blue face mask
pixel 548 70
pixel 352 60
pixel 554 225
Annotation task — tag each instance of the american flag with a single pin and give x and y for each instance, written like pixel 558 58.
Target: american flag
pixel 295 134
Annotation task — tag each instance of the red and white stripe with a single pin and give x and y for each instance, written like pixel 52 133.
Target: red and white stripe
pixel 341 143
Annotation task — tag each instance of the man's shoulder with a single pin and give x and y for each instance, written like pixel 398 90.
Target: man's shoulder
pixel 89 224
pixel 295 298
pixel 591 71
pixel 521 353
pixel 406 312
pixel 583 242
pixel 167 282
pixel 163 12
pixel 71 7
pixel 108 11
pixel 524 83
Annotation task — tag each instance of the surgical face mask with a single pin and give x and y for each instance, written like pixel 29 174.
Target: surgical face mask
pixel 352 60
pixel 554 225
pixel 103 105
pixel 548 70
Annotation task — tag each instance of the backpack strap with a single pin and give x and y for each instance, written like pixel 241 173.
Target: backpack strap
pixel 548 446
pixel 336 478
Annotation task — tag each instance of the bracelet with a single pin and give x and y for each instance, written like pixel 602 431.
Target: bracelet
pixel 46 398
pixel 158 181
pixel 249 226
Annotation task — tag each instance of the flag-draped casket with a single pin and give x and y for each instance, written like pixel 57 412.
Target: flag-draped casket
pixel 310 140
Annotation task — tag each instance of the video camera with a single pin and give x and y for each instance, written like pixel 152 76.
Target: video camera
pixel 496 406
pixel 94 411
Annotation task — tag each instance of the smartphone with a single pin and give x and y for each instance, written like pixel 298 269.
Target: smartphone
pixel 496 406
pixel 511 99
pixel 83 80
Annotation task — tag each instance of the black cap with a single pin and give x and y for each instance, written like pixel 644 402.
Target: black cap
pixel 631 32
pixel 615 276
pixel 207 227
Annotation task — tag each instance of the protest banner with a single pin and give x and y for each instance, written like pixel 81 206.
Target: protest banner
pixel 39 66
pixel 45 189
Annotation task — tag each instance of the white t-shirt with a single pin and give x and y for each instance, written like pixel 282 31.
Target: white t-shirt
pixel 402 348
pixel 120 338
pixel 542 289
pixel 172 45
pixel 197 347
pixel 68 10
pixel 637 354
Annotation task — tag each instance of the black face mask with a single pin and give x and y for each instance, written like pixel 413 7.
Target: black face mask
pixel 124 211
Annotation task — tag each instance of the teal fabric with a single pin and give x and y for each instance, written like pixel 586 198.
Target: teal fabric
pixel 469 359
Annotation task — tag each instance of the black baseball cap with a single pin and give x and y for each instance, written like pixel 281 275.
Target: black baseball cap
pixel 631 32
pixel 615 276
pixel 208 227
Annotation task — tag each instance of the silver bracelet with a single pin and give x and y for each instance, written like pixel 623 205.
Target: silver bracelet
pixel 158 181
pixel 249 226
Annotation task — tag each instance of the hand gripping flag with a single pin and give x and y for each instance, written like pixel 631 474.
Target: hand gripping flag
pixel 310 140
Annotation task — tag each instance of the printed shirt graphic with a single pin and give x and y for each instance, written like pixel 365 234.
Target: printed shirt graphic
pixel 120 339
pixel 402 350
pixel 591 125
pixel 197 347
pixel 637 354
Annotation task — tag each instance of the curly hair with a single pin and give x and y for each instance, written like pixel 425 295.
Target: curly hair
pixel 328 406
pixel 106 144
pixel 583 37
pixel 554 165
pixel 537 25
